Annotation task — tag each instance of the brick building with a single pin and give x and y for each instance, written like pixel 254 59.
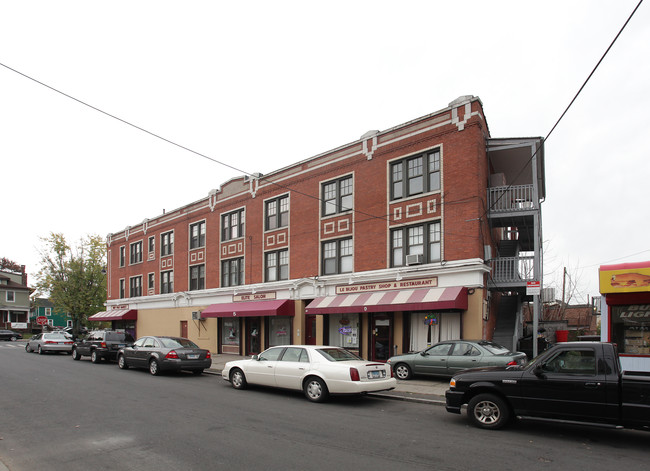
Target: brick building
pixel 383 245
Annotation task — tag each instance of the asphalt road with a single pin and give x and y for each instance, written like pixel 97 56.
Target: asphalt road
pixel 60 414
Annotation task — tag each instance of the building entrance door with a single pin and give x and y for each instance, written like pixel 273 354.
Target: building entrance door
pixel 184 329
pixel 381 333
pixel 310 329
pixel 253 336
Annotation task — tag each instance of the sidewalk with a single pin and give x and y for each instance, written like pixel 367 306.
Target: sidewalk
pixel 422 389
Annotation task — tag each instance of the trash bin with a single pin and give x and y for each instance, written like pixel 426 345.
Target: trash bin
pixel 561 335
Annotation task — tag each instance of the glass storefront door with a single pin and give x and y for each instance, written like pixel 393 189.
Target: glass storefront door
pixel 381 337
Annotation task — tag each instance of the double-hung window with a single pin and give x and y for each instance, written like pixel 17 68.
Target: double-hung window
pixel 11 296
pixel 197 235
pixel 122 289
pixel 197 277
pixel 415 175
pixel 135 286
pixel 277 213
pixel 422 240
pixel 136 252
pixel 167 243
pixel 122 256
pixel 167 282
pixel 277 265
pixel 152 246
pixel 152 281
pixel 232 225
pixel 337 257
pixel 232 272
pixel 337 196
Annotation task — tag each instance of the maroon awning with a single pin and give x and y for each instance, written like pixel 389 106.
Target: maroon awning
pixel 115 315
pixel 275 307
pixel 398 300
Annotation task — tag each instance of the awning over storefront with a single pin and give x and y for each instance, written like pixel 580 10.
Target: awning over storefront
pixel 275 307
pixel 399 300
pixel 115 315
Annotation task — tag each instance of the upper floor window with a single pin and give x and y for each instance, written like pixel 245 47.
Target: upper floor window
pixel 48 311
pixel 167 282
pixel 135 286
pixel 415 175
pixel 152 244
pixel 197 277
pixel 11 296
pixel 277 265
pixel 232 225
pixel 422 242
pixel 277 213
pixel 136 252
pixel 337 257
pixel 152 281
pixel 337 196
pixel 122 256
pixel 167 243
pixel 122 294
pixel 232 272
pixel 197 235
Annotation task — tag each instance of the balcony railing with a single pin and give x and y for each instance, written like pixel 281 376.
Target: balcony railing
pixel 513 269
pixel 511 198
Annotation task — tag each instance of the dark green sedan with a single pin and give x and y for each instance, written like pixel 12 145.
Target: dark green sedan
pixel 451 356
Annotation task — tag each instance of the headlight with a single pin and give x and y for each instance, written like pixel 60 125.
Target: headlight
pixel 452 383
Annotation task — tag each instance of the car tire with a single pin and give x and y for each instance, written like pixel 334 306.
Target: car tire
pixel 315 389
pixel 121 362
pixel 238 379
pixel 94 357
pixel 197 372
pixel 13 339
pixel 154 367
pixel 403 371
pixel 75 354
pixel 488 411
pixel 40 350
pixel 27 348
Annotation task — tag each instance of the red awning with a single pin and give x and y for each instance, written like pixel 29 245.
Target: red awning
pixel 275 307
pixel 115 315
pixel 397 300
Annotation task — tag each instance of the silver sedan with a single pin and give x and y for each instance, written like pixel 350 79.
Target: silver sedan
pixel 50 342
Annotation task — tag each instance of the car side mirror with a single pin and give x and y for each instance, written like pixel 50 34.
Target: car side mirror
pixel 424 354
pixel 254 357
pixel 538 371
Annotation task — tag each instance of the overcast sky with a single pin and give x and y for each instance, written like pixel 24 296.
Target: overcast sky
pixel 260 85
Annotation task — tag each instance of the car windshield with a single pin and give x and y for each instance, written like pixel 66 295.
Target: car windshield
pixel 494 348
pixel 177 343
pixel 337 354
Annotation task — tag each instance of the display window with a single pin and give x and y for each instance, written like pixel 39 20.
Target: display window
pixel 230 332
pixel 631 328
pixel 344 330
pixel 279 331
pixel 428 328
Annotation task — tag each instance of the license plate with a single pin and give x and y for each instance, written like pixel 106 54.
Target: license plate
pixel 121 345
pixel 192 357
pixel 376 374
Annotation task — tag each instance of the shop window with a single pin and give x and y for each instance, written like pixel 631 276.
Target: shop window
pixel 167 243
pixel 277 213
pixel 279 331
pixel 631 328
pixel 230 332
pixel 136 253
pixel 415 175
pixel 197 277
pixel 344 330
pixel 277 265
pixel 422 240
pixel 337 257
pixel 232 272
pixel 337 196
pixel 232 225
pixel 197 235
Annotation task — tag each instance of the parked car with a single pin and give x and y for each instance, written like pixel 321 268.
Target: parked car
pixel 316 370
pixel 451 356
pixel 10 335
pixel 70 331
pixel 573 382
pixel 49 342
pixel 160 354
pixel 101 344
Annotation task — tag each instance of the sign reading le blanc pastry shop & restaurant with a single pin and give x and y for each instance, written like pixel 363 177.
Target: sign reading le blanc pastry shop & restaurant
pixel 385 285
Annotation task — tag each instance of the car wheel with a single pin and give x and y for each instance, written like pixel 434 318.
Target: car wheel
pixel 197 372
pixel 94 357
pixel 75 354
pixel 13 339
pixel 121 362
pixel 40 350
pixel 238 379
pixel 488 411
pixel 27 348
pixel 154 367
pixel 403 371
pixel 316 389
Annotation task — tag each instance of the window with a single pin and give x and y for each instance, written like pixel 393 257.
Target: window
pixel 152 245
pixel 631 328
pixel 48 311
pixel 136 253
pixel 421 240
pixel 337 196
pixel 122 294
pixel 167 282
pixel 122 256
pixel 277 213
pixel 337 257
pixel 152 281
pixel 11 296
pixel 572 362
pixel 135 286
pixel 295 354
pixel 197 277
pixel 415 175
pixel 166 243
pixel 232 225
pixel 277 265
pixel 197 235
pixel 232 272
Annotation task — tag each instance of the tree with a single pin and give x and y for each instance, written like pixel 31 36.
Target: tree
pixel 72 276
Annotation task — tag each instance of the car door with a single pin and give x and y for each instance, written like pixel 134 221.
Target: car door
pixel 291 367
pixel 464 355
pixel 262 370
pixel 131 353
pixel 433 361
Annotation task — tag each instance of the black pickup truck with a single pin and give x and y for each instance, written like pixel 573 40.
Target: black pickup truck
pixel 573 382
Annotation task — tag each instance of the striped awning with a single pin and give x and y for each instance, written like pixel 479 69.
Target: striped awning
pixel 397 300
pixel 115 315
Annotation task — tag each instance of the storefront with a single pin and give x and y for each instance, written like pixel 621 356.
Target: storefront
pixel 625 313
pixel 120 319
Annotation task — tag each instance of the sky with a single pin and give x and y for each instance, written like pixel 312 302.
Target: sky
pixel 259 85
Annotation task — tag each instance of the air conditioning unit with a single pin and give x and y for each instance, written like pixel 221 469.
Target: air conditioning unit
pixel 414 259
pixel 196 315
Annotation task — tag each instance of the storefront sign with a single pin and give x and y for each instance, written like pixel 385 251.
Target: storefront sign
pixel 626 279
pixel 253 297
pixel 382 286
pixel 636 312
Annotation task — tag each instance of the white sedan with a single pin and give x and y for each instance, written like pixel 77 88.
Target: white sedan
pixel 316 370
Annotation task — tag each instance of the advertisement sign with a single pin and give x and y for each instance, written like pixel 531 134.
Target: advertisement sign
pixel 625 278
pixel 19 325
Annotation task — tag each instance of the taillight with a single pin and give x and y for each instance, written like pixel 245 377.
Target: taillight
pixel 354 374
pixel 207 355
pixel 50 341
pixel 103 345
pixel 172 354
pixel 512 363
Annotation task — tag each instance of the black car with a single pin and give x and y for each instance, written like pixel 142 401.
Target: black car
pixel 165 353
pixel 101 344
pixel 10 335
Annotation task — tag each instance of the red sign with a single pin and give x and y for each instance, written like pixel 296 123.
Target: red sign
pixel 41 320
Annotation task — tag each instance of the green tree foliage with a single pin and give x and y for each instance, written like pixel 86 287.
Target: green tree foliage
pixel 72 276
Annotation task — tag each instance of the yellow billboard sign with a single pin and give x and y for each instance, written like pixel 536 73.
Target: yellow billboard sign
pixel 624 278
